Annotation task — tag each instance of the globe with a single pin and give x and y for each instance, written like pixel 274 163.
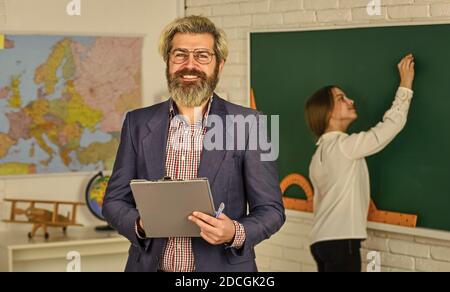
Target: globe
pixel 95 194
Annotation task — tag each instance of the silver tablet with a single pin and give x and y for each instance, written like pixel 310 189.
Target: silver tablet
pixel 164 205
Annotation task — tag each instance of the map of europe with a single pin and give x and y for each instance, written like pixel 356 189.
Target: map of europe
pixel 63 100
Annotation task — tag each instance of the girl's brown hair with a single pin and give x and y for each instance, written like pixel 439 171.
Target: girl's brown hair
pixel 318 110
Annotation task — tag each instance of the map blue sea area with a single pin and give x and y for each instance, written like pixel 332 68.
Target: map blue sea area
pixel 63 100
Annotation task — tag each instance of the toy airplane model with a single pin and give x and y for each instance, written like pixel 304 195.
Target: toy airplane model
pixel 43 218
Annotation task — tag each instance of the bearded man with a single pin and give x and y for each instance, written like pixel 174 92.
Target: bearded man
pixel 168 140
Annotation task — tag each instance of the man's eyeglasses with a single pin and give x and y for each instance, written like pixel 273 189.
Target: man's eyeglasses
pixel 180 56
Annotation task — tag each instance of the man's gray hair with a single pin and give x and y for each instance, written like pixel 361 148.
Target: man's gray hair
pixel 194 25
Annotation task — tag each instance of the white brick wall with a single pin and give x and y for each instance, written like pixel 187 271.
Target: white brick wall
pixel 288 250
pixel 238 17
pixel 401 249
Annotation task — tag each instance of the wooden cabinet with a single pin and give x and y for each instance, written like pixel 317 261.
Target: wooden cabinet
pixel 98 252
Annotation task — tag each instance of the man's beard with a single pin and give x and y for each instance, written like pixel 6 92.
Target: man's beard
pixel 192 94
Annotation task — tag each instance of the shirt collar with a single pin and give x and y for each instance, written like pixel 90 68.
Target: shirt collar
pixel 173 110
pixel 328 136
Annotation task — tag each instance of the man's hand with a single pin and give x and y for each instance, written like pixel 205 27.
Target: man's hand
pixel 216 231
pixel 406 70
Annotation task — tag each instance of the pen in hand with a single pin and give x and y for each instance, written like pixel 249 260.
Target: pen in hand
pixel 220 210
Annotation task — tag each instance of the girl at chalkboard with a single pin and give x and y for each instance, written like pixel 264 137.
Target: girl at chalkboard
pixel 339 173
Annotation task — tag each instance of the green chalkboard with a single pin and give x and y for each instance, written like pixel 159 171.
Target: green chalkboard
pixel 412 175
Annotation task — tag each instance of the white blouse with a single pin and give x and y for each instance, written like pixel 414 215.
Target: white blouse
pixel 340 177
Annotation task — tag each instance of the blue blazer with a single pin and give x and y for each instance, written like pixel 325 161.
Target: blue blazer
pixel 237 177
